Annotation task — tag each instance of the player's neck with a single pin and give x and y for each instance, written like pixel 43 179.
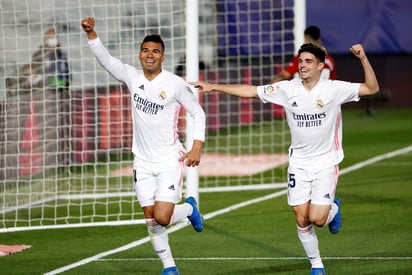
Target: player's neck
pixel 152 75
pixel 310 82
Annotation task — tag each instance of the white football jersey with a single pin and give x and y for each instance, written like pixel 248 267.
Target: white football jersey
pixel 314 118
pixel 155 107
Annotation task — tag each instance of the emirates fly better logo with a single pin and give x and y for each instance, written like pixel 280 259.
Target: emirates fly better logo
pixel 146 106
pixel 308 120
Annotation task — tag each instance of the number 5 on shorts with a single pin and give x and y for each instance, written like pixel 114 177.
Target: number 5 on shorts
pixel 292 181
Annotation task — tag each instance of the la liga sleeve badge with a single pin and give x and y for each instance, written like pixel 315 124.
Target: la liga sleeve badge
pixel 268 89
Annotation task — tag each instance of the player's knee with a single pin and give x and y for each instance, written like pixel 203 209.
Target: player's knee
pixel 302 221
pixel 319 223
pixel 318 220
pixel 162 219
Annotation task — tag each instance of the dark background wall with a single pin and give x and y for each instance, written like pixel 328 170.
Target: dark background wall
pixel 382 27
pixel 393 71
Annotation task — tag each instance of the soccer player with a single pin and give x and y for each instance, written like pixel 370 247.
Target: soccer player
pixel 159 157
pixel 311 35
pixel 313 111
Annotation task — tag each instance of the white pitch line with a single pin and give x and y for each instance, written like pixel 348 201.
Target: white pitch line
pixel 367 162
pixel 173 228
pixel 349 258
pixel 223 211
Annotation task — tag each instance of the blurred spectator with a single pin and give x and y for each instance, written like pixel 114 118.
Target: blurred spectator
pixel 41 90
pixel 51 61
pixel 48 69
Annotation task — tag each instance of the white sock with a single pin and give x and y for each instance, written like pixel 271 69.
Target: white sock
pixel 332 212
pixel 181 212
pixel 160 242
pixel 309 240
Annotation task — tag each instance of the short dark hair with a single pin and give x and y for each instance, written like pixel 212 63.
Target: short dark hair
pixel 313 32
pixel 153 38
pixel 316 50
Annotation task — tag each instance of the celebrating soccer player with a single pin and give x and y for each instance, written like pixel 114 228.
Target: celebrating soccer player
pixel 313 110
pixel 159 157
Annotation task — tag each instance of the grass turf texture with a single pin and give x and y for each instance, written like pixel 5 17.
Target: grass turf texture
pixel 261 238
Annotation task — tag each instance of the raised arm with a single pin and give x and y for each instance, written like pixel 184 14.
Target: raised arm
pixel 88 27
pixel 236 90
pixel 113 65
pixel 370 86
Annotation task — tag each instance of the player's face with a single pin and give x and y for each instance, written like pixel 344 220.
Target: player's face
pixel 309 66
pixel 151 58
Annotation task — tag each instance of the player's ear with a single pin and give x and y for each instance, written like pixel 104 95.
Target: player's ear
pixel 321 65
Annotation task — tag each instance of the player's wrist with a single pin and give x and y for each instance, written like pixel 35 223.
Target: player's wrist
pixel 91 34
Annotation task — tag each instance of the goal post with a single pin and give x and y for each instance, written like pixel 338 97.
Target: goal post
pixel 66 149
pixel 192 65
pixel 300 23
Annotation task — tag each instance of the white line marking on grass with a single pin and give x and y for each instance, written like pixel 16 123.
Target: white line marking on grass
pixel 226 210
pixel 173 228
pixel 376 159
pixel 349 258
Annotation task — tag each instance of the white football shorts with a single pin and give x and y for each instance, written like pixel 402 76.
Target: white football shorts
pixel 161 181
pixel 315 185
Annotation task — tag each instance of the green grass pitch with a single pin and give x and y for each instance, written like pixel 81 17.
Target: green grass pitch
pixel 260 238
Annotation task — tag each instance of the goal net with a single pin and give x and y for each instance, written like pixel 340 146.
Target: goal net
pixel 65 135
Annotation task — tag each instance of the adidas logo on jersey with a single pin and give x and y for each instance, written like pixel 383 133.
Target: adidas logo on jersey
pixel 294 104
pixel 171 187
pixel 327 196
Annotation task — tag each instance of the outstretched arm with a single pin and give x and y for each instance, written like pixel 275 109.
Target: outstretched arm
pixel 88 27
pixel 370 86
pixel 236 90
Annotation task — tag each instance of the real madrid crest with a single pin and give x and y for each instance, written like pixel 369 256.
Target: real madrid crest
pixel 162 95
pixel 319 103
